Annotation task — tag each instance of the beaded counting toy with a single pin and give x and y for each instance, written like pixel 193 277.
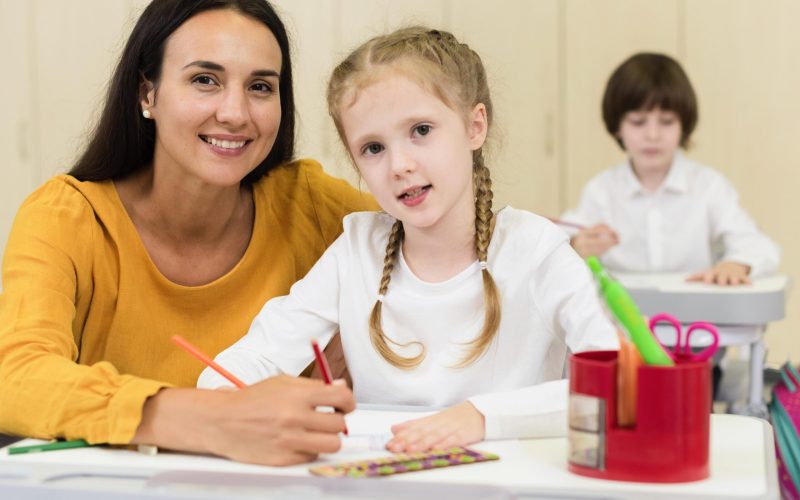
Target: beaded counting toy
pixel 404 462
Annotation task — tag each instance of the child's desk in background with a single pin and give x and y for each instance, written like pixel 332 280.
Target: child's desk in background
pixel 740 313
pixel 742 466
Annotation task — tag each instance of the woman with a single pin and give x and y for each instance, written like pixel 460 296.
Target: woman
pixel 184 215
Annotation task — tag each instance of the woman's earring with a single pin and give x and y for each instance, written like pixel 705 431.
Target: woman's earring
pixel 146 113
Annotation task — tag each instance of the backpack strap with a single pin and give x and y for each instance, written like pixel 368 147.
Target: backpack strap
pixel 790 377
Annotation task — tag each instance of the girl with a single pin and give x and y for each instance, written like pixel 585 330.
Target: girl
pixel 659 210
pixel 464 309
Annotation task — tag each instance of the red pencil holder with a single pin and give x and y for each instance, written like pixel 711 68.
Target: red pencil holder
pixel 669 441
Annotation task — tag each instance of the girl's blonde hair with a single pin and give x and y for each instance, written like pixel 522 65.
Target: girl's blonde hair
pixel 455 74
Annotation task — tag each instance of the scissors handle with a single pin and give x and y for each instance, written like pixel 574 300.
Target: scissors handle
pixel 683 347
pixel 707 351
pixel 675 351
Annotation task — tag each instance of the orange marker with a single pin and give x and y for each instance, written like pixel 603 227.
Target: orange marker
pixel 197 353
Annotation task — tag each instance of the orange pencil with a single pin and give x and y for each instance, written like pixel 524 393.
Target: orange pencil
pixel 197 353
pixel 628 362
pixel 322 362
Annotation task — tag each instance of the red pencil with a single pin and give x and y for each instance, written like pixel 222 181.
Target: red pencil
pixel 197 353
pixel 322 362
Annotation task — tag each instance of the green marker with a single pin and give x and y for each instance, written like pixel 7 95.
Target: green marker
pixel 55 445
pixel 627 314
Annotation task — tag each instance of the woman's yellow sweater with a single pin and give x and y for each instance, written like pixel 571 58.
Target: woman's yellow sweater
pixel 86 317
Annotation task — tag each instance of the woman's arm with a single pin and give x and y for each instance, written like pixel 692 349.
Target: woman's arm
pixel 48 280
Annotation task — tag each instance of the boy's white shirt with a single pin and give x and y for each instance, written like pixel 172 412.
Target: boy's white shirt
pixel 690 222
pixel 549 306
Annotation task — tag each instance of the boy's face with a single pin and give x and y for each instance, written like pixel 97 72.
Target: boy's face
pixel 650 137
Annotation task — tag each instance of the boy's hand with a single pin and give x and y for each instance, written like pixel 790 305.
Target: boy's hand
pixel 595 240
pixel 724 273
pixel 458 425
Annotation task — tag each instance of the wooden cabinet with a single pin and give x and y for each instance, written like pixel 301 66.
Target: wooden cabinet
pixel 598 36
pixel 18 169
pixel 742 57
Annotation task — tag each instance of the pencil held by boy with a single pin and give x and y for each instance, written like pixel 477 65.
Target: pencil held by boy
pixel 441 302
pixel 660 211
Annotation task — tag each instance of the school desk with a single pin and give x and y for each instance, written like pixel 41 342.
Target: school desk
pixel 742 466
pixel 740 313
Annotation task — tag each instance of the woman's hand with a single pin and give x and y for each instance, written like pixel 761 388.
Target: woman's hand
pixel 595 240
pixel 724 273
pixel 458 425
pixel 274 422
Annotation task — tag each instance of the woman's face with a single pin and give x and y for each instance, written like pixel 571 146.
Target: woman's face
pixel 216 107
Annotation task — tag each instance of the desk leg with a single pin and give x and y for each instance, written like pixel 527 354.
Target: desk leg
pixel 754 406
pixel 757 353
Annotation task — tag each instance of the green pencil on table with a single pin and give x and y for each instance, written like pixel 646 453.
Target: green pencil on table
pixel 52 446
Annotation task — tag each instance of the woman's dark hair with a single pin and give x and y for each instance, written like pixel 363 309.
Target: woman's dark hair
pixel 648 81
pixel 123 141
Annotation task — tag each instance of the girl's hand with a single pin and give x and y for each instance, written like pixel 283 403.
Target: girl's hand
pixel 458 425
pixel 724 273
pixel 595 240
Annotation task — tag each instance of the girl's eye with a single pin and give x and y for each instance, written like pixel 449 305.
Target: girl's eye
pixel 423 129
pixel 372 149
pixel 262 87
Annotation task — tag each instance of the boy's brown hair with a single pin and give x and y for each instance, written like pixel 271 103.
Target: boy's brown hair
pixel 646 81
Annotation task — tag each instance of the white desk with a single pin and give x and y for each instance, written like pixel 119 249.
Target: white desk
pixel 742 466
pixel 741 313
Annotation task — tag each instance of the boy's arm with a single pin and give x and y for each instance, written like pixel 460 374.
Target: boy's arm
pixel 731 225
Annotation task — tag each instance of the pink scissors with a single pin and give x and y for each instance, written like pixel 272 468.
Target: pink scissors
pixel 682 347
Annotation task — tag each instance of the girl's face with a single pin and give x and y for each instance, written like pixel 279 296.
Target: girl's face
pixel 216 107
pixel 414 152
pixel 651 139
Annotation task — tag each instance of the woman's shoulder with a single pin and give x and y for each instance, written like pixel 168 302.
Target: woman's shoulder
pixel 304 181
pixel 65 193
pixel 63 212
pixel 301 187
